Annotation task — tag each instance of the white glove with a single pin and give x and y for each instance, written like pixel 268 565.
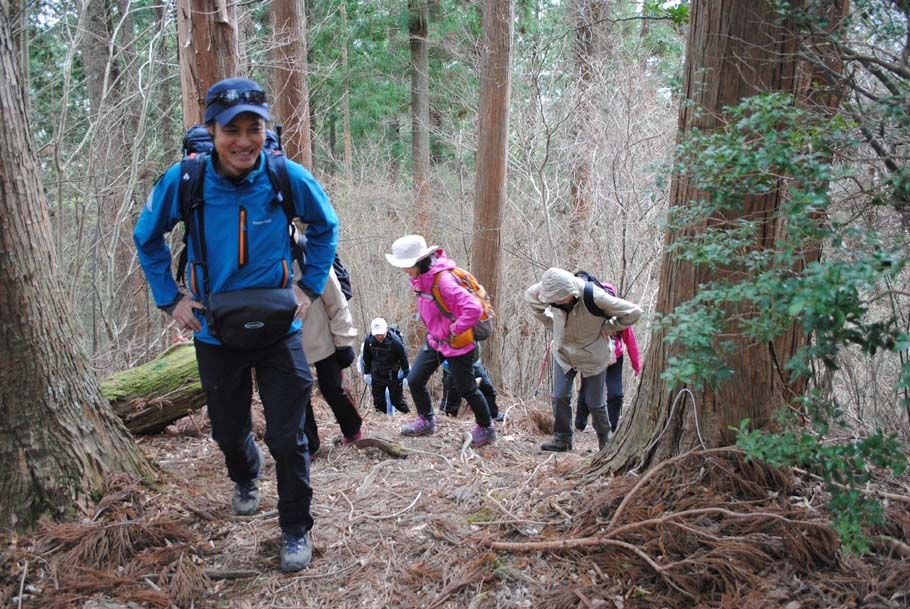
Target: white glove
pixel 368 378
pixel 404 382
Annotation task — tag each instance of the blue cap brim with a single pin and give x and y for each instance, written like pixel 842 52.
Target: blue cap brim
pixel 230 113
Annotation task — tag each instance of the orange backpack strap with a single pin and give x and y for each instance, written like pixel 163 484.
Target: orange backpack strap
pixel 437 298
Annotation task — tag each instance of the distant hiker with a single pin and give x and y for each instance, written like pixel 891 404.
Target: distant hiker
pixel 328 336
pixel 430 270
pixel 240 300
pixel 580 345
pixel 385 365
pixel 626 339
pixel 451 401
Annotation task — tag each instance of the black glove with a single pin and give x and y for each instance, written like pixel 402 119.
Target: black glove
pixel 344 356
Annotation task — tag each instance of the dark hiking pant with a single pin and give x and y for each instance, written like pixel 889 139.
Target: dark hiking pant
pixel 284 382
pixel 451 401
pixel 592 388
pixel 614 398
pixel 396 393
pixel 462 371
pixel 329 379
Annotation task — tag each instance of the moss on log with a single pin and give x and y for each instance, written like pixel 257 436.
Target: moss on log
pixel 151 396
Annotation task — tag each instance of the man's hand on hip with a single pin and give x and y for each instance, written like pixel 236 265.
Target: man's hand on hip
pixel 184 316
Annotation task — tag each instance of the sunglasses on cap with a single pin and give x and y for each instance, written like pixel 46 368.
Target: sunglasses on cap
pixel 231 97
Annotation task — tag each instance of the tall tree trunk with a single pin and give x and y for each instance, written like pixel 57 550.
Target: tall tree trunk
pixel 308 14
pixel 100 70
pixel 492 144
pixel 58 437
pixel 207 43
pixel 346 99
pixel 588 47
pixel 492 151
pixel 418 30
pixel 736 49
pixel 290 74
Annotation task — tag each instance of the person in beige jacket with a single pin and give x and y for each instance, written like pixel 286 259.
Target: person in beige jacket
pixel 581 344
pixel 328 335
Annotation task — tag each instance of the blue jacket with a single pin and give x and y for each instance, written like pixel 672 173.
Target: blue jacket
pixel 246 235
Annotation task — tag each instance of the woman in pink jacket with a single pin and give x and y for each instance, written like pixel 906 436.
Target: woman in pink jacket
pixel 447 339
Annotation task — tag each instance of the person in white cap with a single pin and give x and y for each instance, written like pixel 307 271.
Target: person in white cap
pixel 385 365
pixel 580 345
pixel 429 268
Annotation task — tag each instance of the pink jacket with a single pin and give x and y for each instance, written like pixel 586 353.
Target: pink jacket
pixel 459 301
pixel 627 337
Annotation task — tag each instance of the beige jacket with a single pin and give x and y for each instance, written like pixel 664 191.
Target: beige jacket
pixel 580 339
pixel 327 324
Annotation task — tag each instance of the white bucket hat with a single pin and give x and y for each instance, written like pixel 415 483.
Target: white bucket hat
pixel 378 326
pixel 409 250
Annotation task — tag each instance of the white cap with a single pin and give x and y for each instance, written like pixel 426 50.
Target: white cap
pixel 378 326
pixel 409 250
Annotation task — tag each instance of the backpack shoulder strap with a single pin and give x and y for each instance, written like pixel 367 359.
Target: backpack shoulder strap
pixel 437 297
pixel 588 298
pixel 277 167
pixel 191 195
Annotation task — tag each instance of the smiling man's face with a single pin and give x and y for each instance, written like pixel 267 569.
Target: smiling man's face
pixel 239 143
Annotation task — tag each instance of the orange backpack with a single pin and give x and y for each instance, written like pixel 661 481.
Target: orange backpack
pixel 484 326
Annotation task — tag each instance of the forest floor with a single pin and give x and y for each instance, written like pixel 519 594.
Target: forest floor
pixel 701 531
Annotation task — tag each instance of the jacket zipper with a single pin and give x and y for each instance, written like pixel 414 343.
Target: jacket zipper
pixel 242 240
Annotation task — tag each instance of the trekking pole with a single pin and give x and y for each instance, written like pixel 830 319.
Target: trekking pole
pixel 362 393
pixel 543 368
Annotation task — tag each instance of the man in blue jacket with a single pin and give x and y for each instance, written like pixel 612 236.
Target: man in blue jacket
pixel 238 242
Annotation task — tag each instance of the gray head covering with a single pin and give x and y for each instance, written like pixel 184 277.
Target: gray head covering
pixel 556 284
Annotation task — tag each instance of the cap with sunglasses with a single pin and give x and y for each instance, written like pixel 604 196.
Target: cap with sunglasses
pixel 229 97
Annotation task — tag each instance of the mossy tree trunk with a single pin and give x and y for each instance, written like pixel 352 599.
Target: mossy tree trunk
pixel 58 436
pixel 150 397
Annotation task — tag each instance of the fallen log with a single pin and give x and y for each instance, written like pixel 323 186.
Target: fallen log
pixel 152 396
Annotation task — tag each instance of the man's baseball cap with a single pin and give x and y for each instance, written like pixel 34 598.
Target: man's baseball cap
pixel 378 326
pixel 232 96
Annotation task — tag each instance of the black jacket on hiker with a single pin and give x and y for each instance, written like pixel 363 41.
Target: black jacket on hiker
pixel 386 363
pixel 383 360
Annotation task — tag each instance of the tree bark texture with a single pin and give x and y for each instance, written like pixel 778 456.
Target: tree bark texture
pixel 100 68
pixel 58 436
pixel 418 31
pixel 492 144
pixel 346 100
pixel 588 51
pixel 291 101
pixel 736 49
pixel 208 49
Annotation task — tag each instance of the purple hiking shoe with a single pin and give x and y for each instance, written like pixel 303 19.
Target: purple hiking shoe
pixel 421 426
pixel 481 436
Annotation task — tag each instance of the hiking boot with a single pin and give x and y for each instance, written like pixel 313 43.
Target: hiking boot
pixel 500 417
pixel 296 552
pixel 580 424
pixel 345 441
pixel 245 499
pixel 481 436
pixel 421 426
pixel 403 409
pixel 556 446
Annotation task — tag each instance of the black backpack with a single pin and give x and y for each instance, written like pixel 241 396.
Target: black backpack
pixel 394 331
pixel 588 295
pixel 197 145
